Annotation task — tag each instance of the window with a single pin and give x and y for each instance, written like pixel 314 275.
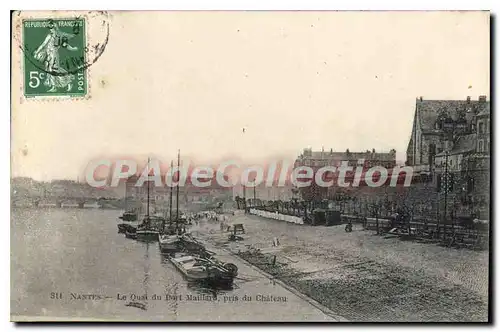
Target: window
pixel 480 146
pixel 432 153
pixel 421 152
pixel 470 185
pixel 481 127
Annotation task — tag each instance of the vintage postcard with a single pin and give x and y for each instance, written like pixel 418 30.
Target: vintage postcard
pixel 250 166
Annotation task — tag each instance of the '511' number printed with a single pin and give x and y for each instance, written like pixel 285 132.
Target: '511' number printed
pixel 54 57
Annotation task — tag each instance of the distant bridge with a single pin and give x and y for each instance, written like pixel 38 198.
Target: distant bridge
pixel 65 202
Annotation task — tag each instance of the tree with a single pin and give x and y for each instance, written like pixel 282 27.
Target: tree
pixel 294 204
pixel 280 206
pixel 375 211
pixel 304 205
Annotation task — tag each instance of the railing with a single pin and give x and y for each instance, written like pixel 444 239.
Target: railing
pixel 449 234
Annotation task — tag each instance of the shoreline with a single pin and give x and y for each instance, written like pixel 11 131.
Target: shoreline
pixel 355 285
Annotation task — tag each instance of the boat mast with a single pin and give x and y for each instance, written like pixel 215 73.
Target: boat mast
pixel 177 191
pixel 171 189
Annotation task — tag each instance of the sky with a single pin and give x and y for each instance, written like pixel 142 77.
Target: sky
pixel 250 85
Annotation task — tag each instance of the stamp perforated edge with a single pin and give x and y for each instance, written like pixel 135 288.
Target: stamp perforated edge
pixel 17 65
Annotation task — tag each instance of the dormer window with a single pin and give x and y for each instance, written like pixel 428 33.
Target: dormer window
pixel 448 123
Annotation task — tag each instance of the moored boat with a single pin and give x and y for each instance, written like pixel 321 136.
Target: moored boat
pixel 168 243
pixel 149 230
pixel 131 233
pixel 129 216
pixel 124 226
pixel 147 235
pixel 170 236
pixel 195 268
pixel 188 243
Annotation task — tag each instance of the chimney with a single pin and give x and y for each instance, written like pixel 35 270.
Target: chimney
pixel 482 99
pixel 468 99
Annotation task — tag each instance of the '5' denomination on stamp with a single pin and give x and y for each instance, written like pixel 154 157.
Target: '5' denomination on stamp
pixel 54 57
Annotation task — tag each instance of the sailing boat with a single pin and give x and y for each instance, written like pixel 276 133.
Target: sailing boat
pixel 129 217
pixel 149 229
pixel 169 238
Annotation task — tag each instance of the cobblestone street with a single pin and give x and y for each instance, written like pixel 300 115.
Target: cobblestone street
pixel 365 277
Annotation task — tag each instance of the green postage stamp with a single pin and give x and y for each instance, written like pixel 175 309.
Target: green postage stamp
pixel 54 57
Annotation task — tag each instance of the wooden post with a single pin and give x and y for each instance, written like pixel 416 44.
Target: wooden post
pixel 438 216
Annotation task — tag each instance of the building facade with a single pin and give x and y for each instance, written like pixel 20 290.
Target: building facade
pixel 318 159
pixel 449 150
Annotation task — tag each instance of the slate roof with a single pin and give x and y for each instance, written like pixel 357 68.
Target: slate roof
pixel 351 156
pixel 485 111
pixel 429 110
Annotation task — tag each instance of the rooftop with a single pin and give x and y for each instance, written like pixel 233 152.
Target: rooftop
pixel 428 111
pixel 347 155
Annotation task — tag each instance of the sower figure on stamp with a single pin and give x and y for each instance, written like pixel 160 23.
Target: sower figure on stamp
pixel 48 54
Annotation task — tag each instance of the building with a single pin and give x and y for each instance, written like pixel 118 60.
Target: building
pixel 436 124
pixel 449 149
pixel 321 158
pixel 318 159
pixel 263 192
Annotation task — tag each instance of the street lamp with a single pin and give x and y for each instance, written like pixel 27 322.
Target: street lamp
pixel 446 185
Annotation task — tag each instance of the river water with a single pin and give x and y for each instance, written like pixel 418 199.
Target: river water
pixel 73 264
